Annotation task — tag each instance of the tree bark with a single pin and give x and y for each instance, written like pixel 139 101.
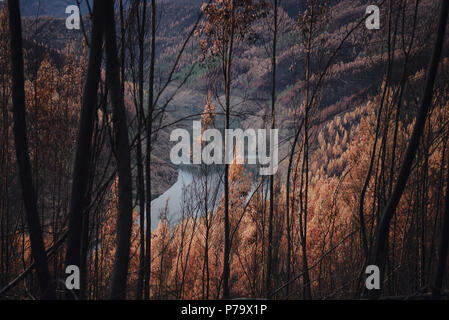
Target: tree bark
pixel 227 249
pixel 122 151
pixel 444 245
pixel 149 128
pixel 140 19
pixel 81 168
pixel 46 284
pixel 273 123
pixel 380 247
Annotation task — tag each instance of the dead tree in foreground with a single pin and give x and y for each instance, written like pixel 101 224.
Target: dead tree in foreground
pixel 46 284
pixel 84 141
pixel 380 249
pixel 122 153
pixel 444 245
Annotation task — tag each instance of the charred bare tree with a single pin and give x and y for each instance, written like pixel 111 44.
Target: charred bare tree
pixel 140 168
pixel 444 245
pixel 82 164
pixel 149 129
pixel 273 124
pixel 122 153
pixel 38 253
pixel 137 32
pixel 227 68
pixel 380 248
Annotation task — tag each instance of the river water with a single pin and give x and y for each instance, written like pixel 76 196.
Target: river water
pixel 174 198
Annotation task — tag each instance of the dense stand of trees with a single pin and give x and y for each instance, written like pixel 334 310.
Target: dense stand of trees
pixel 363 174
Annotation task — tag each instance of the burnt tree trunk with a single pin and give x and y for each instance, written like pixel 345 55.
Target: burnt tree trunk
pixel 380 248
pixel 273 123
pixel 81 168
pixel 122 152
pixel 141 28
pixel 38 253
pixel 149 127
pixel 444 245
pixel 227 249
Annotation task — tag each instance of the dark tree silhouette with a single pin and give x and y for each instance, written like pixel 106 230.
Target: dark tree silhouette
pixel 380 248
pixel 122 153
pixel 149 129
pixel 273 124
pixel 444 245
pixel 227 68
pixel 38 253
pixel 83 149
